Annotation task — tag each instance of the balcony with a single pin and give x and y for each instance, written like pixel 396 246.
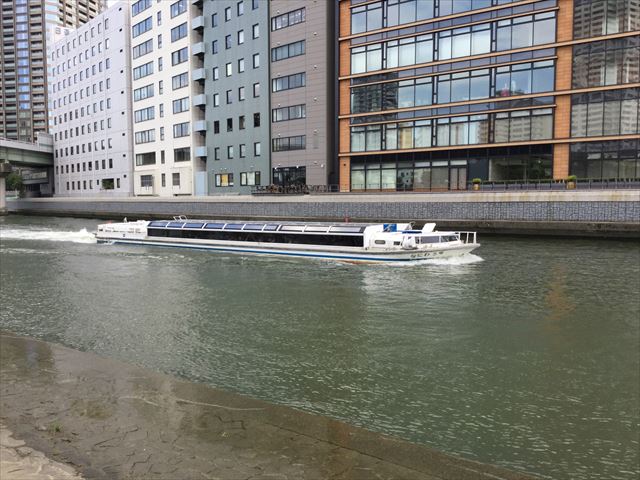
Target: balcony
pixel 198 23
pixel 200 152
pixel 200 126
pixel 200 100
pixel 199 74
pixel 198 48
pixel 197 3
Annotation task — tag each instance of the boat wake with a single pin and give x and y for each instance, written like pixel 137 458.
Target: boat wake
pixel 82 236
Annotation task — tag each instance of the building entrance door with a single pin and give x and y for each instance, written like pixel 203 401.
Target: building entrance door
pixel 458 178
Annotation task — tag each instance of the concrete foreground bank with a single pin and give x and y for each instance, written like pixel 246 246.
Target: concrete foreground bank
pixel 581 213
pixel 105 419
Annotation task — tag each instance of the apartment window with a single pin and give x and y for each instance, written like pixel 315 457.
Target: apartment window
pixel 242 150
pixel 214 47
pixel 179 7
pixel 230 152
pixel 143 92
pixel 146 181
pixel 216 126
pixel 256 90
pixel 214 20
pixel 142 49
pixel 163 179
pixel 240 65
pixel 255 31
pixel 229 96
pixel 181 105
pixel 224 179
pixel 241 122
pixel 229 124
pixel 240 94
pixel 145 136
pixel 284 144
pixel 227 42
pixel 180 56
pixel 179 32
pixel 287 51
pixel 227 14
pixel 138 7
pixel 216 99
pixel 249 178
pixel 160 86
pixel 180 81
pixel 257 149
pixel 289 82
pixel 181 130
pixel 143 71
pixel 254 4
pixel 240 37
pixel 144 114
pixel 159 41
pixel 256 119
pixel 288 113
pixel 159 18
pixel 175 179
pixel 162 134
pixel 141 159
pixel 229 69
pixel 256 60
pixel 288 19
pixel 142 27
pixel 216 153
pixel 216 73
pixel 240 8
pixel 160 64
pixel 182 154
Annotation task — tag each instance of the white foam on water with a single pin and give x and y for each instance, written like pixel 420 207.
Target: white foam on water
pixel 82 236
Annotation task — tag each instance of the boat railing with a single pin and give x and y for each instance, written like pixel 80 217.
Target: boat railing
pixel 467 237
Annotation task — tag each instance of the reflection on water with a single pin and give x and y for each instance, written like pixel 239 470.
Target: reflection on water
pixel 525 355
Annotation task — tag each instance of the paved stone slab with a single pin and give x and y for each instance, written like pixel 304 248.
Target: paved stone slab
pixel 112 420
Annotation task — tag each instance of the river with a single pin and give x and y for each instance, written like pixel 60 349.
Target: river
pixel 526 355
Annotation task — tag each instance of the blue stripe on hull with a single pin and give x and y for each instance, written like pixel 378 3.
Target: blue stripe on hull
pixel 262 252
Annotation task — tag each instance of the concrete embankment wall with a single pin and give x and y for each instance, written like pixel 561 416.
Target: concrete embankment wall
pixel 588 213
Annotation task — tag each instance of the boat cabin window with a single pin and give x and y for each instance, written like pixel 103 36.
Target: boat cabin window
pixel 449 238
pixel 347 229
pixel 193 225
pixel 322 229
pixel 251 226
pixel 396 243
pixel 292 228
pixel 271 228
pixel 234 226
pixel 380 242
pixel 158 224
pixel 175 224
pixel 217 226
pixel 430 240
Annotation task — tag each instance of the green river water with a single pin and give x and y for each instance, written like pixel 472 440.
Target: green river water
pixel 526 355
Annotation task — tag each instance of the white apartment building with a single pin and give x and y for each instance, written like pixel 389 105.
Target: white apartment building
pixel 167 98
pixel 91 108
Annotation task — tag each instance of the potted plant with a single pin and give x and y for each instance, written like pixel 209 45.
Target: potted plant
pixel 476 183
pixel 571 182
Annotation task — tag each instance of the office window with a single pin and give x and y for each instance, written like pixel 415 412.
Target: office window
pixel 141 27
pixel 286 51
pixel 224 179
pixel 181 105
pixel 288 113
pixel 593 18
pixel 284 144
pixel 182 154
pixel 288 19
pixel 289 82
pixel 216 153
pixel 249 178
pixel 181 130
pixel 608 62
pixel 230 152
pixel 179 32
pixel 179 7
pixel 180 56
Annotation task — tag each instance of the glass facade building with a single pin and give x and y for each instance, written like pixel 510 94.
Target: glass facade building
pixel 433 93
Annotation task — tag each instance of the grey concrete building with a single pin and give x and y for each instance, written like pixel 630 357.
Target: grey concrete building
pixel 27 30
pixel 236 36
pixel 303 118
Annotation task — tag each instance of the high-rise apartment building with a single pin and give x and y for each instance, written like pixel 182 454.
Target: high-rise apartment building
pixel 91 107
pixel 26 31
pixel 168 98
pixel 433 93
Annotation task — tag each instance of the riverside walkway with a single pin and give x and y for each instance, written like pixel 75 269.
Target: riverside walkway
pixel 69 414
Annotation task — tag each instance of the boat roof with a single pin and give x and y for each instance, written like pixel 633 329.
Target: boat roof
pixel 288 226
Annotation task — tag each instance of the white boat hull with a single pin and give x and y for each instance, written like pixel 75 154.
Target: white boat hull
pixel 350 255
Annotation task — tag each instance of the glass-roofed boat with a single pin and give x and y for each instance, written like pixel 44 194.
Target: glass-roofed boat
pixel 353 242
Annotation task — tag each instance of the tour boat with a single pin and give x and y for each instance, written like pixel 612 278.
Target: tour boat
pixel 351 242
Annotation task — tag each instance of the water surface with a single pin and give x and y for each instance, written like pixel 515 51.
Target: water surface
pixel 526 356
